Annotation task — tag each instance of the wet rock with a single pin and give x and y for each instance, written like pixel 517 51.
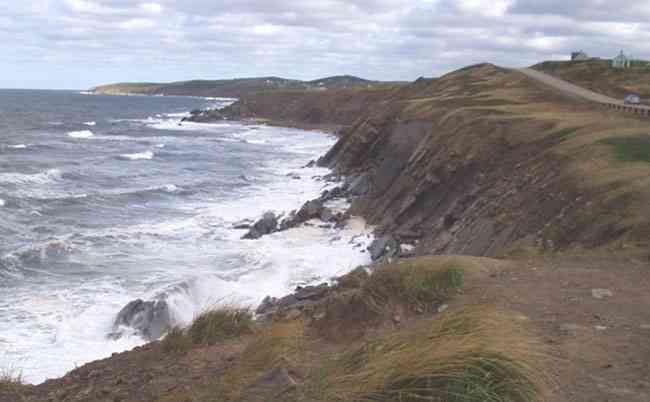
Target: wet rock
pixel 601 293
pixel 268 224
pixel 385 246
pixel 312 292
pixel 150 319
pixel 291 304
pixel 267 304
pixel 311 164
pixel 294 176
pixel 311 209
pixel 359 186
pixel 326 215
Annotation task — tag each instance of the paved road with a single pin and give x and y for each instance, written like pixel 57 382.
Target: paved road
pixel 571 89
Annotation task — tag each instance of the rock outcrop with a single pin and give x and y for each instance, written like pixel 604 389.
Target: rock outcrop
pixel 149 319
pixel 266 225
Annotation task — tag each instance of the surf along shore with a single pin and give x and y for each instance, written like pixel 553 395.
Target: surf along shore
pixel 510 262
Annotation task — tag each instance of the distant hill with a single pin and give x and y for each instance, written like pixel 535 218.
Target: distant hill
pixel 238 87
pixel 600 76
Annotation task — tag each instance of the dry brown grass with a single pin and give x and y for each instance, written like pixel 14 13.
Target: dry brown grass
pixel 11 385
pixel 277 345
pixel 476 355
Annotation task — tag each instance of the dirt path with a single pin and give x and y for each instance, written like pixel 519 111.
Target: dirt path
pixel 602 343
pixel 574 90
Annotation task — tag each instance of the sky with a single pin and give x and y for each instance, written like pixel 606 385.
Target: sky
pixel 78 44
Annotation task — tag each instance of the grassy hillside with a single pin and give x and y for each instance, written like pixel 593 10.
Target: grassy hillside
pixel 485 161
pixel 237 87
pixel 599 76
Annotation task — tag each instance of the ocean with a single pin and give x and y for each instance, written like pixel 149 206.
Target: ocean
pixel 106 199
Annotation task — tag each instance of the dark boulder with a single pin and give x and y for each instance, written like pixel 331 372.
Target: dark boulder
pixel 385 246
pixel 302 298
pixel 268 224
pixel 150 319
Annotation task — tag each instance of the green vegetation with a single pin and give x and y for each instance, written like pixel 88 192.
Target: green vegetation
pixel 634 148
pixel 477 355
pixel 422 285
pixel 176 341
pixel 208 328
pixel 220 324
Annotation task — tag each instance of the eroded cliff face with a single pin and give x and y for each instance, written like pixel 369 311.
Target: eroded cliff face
pixel 482 161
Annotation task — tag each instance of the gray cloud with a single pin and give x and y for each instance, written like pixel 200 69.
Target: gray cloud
pixel 80 43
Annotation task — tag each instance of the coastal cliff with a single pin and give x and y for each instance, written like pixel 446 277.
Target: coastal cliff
pixel 482 161
pixel 527 280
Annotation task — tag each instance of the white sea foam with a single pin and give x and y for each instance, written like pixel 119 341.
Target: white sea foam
pixel 147 155
pixel 2 202
pixel 90 123
pixel 80 134
pixel 47 176
pixel 170 188
pixel 18 146
pixel 194 258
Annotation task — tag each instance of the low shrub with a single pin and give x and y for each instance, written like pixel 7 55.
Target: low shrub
pixel 220 324
pixel 635 148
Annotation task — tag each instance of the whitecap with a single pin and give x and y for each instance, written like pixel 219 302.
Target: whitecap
pixel 80 134
pixel 2 202
pixel 90 123
pixel 37 178
pixel 160 146
pixel 147 155
pixel 18 146
pixel 170 188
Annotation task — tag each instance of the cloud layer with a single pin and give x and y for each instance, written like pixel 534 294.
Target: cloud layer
pixel 81 43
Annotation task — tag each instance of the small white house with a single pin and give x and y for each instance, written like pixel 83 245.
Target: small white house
pixel 621 61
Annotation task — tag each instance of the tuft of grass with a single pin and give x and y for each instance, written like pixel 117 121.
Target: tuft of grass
pixel 11 383
pixel 176 341
pixel 634 148
pixel 476 355
pixel 220 324
pixel 417 284
pixel 277 345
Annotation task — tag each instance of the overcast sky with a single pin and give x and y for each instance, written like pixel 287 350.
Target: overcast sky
pixel 82 43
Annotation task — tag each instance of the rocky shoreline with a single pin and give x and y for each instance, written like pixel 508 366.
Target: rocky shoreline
pixel 152 319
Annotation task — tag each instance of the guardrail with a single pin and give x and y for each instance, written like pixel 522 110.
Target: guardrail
pixel 641 110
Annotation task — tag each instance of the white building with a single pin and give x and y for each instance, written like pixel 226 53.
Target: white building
pixel 621 61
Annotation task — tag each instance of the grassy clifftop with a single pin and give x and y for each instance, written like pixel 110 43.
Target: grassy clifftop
pixel 484 161
pixel 599 76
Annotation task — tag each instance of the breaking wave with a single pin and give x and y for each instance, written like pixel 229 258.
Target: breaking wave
pixel 80 134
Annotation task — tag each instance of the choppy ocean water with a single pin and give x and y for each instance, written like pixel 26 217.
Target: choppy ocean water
pixel 105 199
